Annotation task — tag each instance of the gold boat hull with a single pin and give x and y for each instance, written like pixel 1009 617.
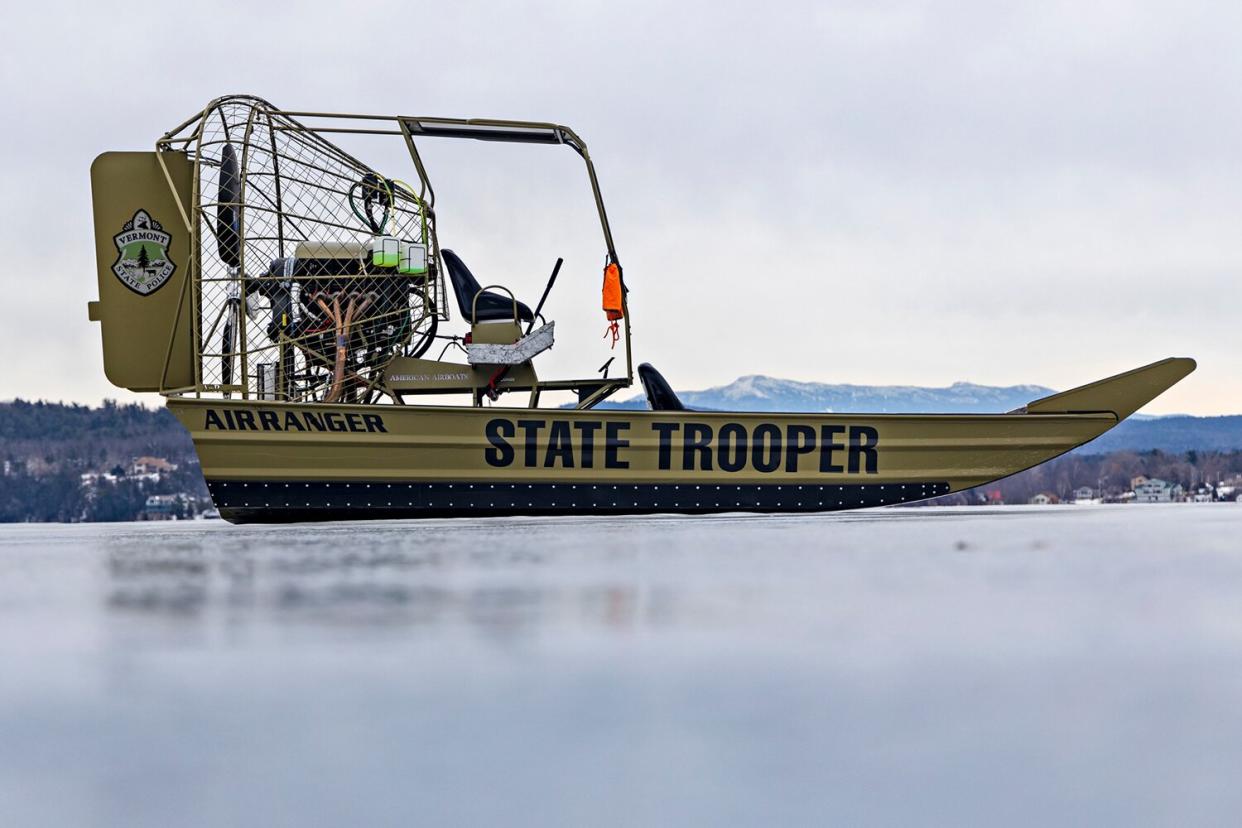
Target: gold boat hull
pixel 277 462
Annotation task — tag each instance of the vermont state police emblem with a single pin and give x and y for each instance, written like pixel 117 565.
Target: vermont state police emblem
pixel 143 265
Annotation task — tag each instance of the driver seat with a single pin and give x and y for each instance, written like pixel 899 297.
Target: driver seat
pixel 491 306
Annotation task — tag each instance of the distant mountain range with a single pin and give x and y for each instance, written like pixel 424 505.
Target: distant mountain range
pixel 1177 433
pixel 760 393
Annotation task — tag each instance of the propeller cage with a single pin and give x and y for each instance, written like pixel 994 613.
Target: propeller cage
pixel 311 270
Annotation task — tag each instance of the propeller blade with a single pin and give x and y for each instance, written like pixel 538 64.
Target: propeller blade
pixel 227 346
pixel 228 219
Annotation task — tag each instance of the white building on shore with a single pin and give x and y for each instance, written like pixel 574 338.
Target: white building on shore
pixel 1085 495
pixel 1155 490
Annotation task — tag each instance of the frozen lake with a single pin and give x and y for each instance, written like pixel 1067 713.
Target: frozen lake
pixel 1012 666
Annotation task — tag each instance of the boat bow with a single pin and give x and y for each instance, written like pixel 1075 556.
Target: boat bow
pixel 1120 395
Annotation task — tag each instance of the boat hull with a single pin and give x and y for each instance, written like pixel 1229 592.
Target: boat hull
pixel 274 462
pixel 279 462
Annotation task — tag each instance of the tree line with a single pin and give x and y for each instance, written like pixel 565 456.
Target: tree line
pixel 47 447
pixel 1110 475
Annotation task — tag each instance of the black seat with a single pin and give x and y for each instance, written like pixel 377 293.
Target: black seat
pixel 660 394
pixel 491 306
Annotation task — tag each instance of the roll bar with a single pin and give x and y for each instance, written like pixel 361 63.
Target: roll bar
pixel 516 132
pixel 409 126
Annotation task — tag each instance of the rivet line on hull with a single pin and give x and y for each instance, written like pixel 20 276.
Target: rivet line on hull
pixel 330 499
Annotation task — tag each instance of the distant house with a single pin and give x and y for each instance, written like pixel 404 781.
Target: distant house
pixel 152 469
pixel 1155 490
pixel 1229 489
pixel 1135 482
pixel 95 478
pixel 1043 499
pixel 163 507
pixel 995 498
pixel 1084 494
pixel 150 465
pixel 1202 494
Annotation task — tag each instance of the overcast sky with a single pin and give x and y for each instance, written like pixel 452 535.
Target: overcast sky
pixel 866 192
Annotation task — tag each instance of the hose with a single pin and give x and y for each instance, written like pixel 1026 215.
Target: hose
pixel 373 182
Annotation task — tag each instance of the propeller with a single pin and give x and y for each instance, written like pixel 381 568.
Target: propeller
pixel 228 220
pixel 228 344
pixel 228 244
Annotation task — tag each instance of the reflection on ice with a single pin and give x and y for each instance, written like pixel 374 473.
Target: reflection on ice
pixel 389 579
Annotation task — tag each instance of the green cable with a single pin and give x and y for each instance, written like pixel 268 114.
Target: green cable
pixel 367 219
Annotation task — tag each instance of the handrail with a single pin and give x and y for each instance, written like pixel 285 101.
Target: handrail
pixel 474 304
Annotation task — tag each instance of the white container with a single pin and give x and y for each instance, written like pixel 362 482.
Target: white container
pixel 413 259
pixel 385 251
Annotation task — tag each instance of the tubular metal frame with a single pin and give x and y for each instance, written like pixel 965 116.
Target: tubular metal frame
pixel 188 137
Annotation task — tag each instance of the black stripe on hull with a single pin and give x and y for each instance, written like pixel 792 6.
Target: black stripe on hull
pixel 285 502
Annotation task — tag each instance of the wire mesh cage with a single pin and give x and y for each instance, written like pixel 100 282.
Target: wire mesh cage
pixel 313 270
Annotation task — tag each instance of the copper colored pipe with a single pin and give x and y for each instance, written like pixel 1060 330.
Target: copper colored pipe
pixel 342 325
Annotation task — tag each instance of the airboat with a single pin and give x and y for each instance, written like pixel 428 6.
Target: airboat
pixel 294 306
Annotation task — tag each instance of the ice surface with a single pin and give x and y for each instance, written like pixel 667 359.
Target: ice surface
pixel 1013 666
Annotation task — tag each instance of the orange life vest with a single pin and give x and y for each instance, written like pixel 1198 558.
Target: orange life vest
pixel 612 291
pixel 613 300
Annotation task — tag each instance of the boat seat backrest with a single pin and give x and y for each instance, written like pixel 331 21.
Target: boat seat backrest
pixel 491 306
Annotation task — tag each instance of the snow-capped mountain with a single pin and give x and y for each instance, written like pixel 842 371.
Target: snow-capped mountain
pixel 760 393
